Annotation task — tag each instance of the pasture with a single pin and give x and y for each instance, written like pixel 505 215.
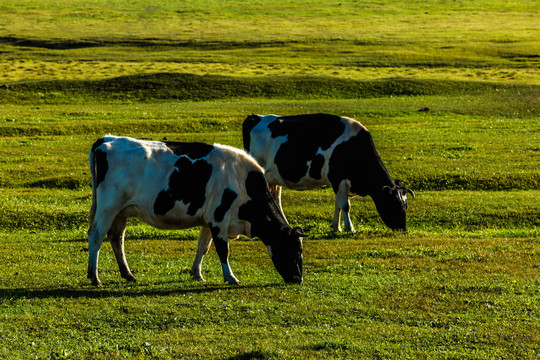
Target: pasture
pixel 462 283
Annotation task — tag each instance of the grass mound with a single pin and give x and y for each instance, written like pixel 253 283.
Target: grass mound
pixel 181 86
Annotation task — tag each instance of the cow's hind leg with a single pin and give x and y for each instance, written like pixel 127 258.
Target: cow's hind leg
pixel 95 239
pixel 203 245
pixel 116 238
pixel 99 228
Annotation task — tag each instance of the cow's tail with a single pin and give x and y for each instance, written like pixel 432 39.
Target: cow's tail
pixel 92 163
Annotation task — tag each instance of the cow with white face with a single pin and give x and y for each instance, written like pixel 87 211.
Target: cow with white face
pixel 308 151
pixel 172 185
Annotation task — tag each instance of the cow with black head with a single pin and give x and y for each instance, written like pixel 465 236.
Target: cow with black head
pixel 171 185
pixel 308 151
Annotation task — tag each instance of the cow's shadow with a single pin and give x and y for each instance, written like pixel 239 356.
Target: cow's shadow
pixel 91 292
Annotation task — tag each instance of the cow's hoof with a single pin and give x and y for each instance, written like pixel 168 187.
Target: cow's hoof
pixel 96 282
pixel 235 282
pixel 196 276
pixel 128 276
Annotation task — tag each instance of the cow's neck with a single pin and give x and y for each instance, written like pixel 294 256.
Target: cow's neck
pixel 373 177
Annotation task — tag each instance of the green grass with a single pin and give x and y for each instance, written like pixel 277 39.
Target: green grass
pixel 464 213
pixel 392 297
pixel 155 87
pixel 462 283
pixel 473 140
pixel 466 39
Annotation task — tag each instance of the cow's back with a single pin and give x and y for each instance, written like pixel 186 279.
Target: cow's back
pixel 171 185
pixel 134 168
pixel 295 150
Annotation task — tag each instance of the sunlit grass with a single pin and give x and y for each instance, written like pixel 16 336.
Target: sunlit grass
pixel 466 40
pixel 12 71
pixel 468 214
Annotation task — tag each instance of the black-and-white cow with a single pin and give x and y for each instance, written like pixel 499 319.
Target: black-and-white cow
pixel 172 185
pixel 307 151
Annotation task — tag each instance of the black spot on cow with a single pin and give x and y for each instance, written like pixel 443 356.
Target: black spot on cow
pixel 191 150
pixel 315 170
pixel 261 208
pixel 256 186
pixel 187 184
pixel 222 245
pixel 250 211
pixel 102 166
pixel 98 143
pixel 227 200
pixel 368 174
pixel 304 138
pixel 248 124
pixel 164 202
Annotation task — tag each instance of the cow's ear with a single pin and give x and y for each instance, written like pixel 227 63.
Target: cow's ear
pixel 387 190
pixel 299 232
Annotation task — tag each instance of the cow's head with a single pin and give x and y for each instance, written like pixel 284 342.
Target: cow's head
pixel 392 204
pixel 284 243
pixel 286 254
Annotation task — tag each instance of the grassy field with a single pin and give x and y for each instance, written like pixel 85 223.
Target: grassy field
pixel 462 283
pixel 463 39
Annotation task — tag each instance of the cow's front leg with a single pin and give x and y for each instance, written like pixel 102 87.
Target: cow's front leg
pixel 221 240
pixel 203 245
pixel 343 206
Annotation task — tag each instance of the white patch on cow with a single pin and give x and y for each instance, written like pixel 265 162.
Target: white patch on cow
pixel 402 197
pixel 264 148
pixel 231 149
pixel 353 124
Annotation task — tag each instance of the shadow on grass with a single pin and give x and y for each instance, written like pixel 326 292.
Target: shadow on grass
pixel 254 355
pixel 134 291
pixel 59 44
